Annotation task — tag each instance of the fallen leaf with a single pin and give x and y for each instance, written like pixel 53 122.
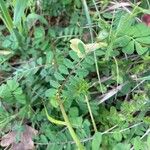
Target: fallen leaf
pixel 74 46
pixel 8 139
pixel 88 47
pixel 26 142
pixel 3 52
pixel 111 93
pixel 118 5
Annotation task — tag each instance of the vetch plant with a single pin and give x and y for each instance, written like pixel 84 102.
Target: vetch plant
pixel 81 81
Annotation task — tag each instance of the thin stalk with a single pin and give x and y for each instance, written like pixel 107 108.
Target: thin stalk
pixel 117 70
pixel 96 9
pixel 91 115
pixel 92 40
pixel 68 124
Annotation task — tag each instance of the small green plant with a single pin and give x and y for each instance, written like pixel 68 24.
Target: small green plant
pixel 61 7
pixel 81 81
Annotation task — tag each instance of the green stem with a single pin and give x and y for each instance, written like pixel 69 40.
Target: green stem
pixel 68 124
pixel 58 122
pixel 92 40
pixel 91 115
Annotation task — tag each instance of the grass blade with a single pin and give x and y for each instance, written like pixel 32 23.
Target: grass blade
pixel 6 16
pixel 19 8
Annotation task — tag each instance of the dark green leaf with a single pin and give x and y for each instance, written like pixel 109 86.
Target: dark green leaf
pixel 143 40
pixel 137 143
pixel 54 84
pixel 81 48
pixel 140 50
pixel 58 76
pixel 12 84
pixel 117 136
pixel 74 55
pixel 39 33
pixel 53 102
pixel 68 63
pixel 89 60
pixel 63 69
pixel 76 121
pixel 129 49
pixel 97 138
pixel 122 41
pixel 49 57
pixel 74 112
pixel 139 30
pixel 50 92
pixel 122 146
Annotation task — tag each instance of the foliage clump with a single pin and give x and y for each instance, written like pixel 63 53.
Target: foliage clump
pixel 74 74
